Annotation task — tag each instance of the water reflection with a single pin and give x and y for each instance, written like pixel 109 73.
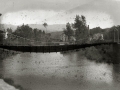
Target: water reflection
pixel 61 71
pixel 116 76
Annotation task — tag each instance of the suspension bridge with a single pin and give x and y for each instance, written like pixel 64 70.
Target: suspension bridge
pixel 18 43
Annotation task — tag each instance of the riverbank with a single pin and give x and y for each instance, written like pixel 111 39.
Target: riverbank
pixel 4 53
pixel 7 83
pixel 102 53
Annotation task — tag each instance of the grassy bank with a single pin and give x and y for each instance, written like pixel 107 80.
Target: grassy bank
pixel 6 53
pixel 3 55
pixel 102 53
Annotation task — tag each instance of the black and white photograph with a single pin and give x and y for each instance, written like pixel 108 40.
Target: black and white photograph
pixel 59 44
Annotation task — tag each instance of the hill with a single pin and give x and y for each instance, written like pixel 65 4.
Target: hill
pixel 50 28
pixel 56 35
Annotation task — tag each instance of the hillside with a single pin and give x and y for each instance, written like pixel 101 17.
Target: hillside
pixel 50 28
pixel 56 35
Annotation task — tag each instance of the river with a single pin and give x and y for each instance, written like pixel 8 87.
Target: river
pixel 60 71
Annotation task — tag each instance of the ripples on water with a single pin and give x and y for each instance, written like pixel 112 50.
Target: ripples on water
pixel 60 71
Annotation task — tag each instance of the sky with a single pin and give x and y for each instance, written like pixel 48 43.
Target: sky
pixel 103 13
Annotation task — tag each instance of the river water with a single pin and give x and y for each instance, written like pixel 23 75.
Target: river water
pixel 60 71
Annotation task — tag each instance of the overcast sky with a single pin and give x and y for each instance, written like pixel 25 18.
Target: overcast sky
pixel 103 13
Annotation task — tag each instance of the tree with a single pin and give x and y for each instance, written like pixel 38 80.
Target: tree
pixel 1 33
pixel 9 30
pixel 24 31
pixel 0 21
pixel 68 31
pixel 43 32
pixel 96 30
pixel 45 25
pixel 81 30
pixel 35 32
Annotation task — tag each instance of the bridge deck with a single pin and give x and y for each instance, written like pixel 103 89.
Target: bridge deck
pixel 58 48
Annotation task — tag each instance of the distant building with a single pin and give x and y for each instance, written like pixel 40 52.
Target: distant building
pixel 61 38
pixel 97 36
pixel 72 38
pixel 64 38
pixel 4 34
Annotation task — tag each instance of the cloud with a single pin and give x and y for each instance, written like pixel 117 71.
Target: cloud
pixel 56 17
pixel 94 18
pixel 104 13
pixel 27 17
pixel 110 7
pixel 56 5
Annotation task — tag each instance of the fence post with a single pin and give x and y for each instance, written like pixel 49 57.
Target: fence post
pixel 114 35
pixel 118 36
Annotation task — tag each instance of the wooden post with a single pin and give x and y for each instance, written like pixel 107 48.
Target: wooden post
pixel 43 49
pixel 49 48
pixel 88 31
pixel 114 35
pixel 116 54
pixel 10 40
pixel 118 36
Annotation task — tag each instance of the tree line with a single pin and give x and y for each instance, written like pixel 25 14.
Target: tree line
pixel 80 30
pixel 24 34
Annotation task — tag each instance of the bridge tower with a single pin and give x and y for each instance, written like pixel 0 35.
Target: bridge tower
pixel 116 53
pixel 116 29
pixel 116 47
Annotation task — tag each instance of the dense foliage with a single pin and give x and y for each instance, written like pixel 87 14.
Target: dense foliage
pixel 26 35
pixel 102 53
pixel 81 30
pixel 27 32
pixel 68 31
